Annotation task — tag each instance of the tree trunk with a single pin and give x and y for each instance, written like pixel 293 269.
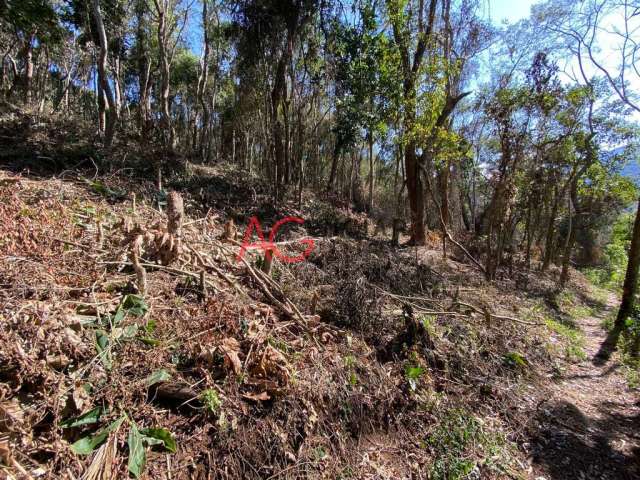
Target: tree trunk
pixel 202 83
pixel 568 248
pixel 117 86
pixel 111 114
pixel 444 204
pixel 163 42
pixel 415 191
pixel 27 81
pixel 277 100
pixel 334 167
pixel 548 247
pixel 631 277
pixel 371 172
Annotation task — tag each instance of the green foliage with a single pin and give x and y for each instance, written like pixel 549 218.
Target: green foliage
pixel 157 376
pixel 184 72
pixel 138 440
pixel 159 436
pixel 458 443
pixel 211 400
pixel 515 360
pixel 366 97
pixel 33 17
pixel 413 374
pixel 135 305
pixel 611 274
pixel 350 365
pixel 137 454
pixel 88 444
pixel 87 418
pixel 572 338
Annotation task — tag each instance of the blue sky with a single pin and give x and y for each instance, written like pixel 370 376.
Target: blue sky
pixel 511 10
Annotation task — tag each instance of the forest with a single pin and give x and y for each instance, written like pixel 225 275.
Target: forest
pixel 341 239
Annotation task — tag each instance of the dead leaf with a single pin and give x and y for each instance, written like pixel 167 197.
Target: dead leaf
pixel 58 362
pixel 11 414
pixel 5 450
pixel 255 329
pixel 312 417
pixel 72 337
pixel 271 372
pixel 80 397
pixel 326 337
pixel 207 355
pixel 230 348
pixel 263 396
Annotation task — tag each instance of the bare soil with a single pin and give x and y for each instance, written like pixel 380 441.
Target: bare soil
pixel 589 426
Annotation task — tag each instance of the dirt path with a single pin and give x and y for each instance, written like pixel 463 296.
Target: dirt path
pixel 590 426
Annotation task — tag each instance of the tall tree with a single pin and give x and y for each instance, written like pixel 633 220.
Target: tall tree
pixel 412 45
pixel 105 86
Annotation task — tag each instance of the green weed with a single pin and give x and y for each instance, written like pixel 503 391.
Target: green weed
pixel 211 400
pixel 460 443
pixel 572 337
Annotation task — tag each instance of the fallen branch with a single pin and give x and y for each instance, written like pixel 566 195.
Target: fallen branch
pixel 264 282
pixel 79 245
pixel 217 270
pixel 497 317
pixel 164 268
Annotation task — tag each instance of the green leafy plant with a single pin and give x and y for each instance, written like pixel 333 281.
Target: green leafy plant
pixel 211 400
pixel 460 442
pixel 157 376
pixel 572 338
pixel 413 374
pixel 87 418
pixel 350 365
pixel 138 440
pixel 88 444
pixel 515 359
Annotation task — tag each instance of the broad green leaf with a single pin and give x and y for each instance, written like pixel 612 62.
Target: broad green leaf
pixel 102 340
pixel 152 342
pixel 135 305
pixel 92 416
pixel 88 444
pixel 102 344
pixel 414 372
pixel 117 317
pixel 137 454
pixel 126 333
pixel 130 331
pixel 157 436
pixel 158 376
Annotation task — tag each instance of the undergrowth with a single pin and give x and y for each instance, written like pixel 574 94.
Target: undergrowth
pixel 571 337
pixel 461 444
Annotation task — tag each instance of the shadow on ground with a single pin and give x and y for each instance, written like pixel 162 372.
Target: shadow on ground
pixel 569 445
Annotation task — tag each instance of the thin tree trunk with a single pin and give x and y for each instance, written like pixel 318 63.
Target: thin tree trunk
pixel 631 277
pixel 111 114
pixel 27 55
pixel 165 72
pixel 415 191
pixel 548 247
pixel 371 172
pixel 571 239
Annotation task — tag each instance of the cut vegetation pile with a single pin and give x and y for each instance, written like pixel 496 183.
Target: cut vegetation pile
pixel 132 340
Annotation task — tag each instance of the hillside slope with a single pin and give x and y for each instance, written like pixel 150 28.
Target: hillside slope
pixel 363 361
